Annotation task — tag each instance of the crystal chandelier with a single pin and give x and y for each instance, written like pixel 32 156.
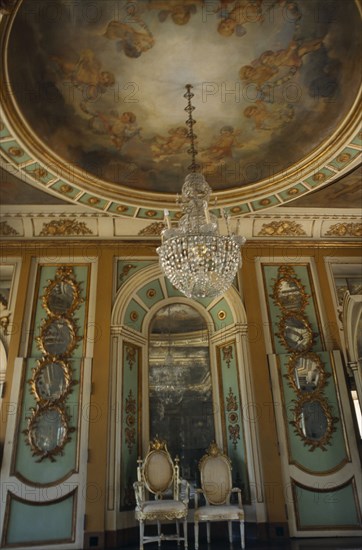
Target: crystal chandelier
pixel 195 257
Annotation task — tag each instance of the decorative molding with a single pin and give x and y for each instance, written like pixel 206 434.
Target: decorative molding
pixel 227 352
pixel 130 355
pixel 4 315
pixel 56 228
pixel 153 229
pixel 130 431
pixel 282 228
pixel 345 230
pixel 7 231
pixel 233 418
pixel 32 222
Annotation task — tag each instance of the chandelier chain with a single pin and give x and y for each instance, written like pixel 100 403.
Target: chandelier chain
pixel 190 122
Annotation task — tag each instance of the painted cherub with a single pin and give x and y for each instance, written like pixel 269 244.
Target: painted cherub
pixel 290 56
pixel 86 74
pixel 257 74
pixel 244 11
pixel 268 65
pixel 128 39
pixel 222 146
pixel 269 118
pixel 119 127
pixel 180 11
pixel 165 146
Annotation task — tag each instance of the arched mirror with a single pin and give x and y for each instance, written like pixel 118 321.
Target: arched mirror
pixel 180 389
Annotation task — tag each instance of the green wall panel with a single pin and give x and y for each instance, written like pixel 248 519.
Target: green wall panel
pixel 221 315
pixel 28 466
pixel 134 316
pixel 131 415
pixel 333 509
pixel 303 274
pixel 46 274
pixel 151 293
pixel 127 267
pixel 318 461
pixel 172 291
pixel 232 416
pixel 40 523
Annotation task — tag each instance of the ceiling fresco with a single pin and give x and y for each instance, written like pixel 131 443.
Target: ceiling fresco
pixel 95 108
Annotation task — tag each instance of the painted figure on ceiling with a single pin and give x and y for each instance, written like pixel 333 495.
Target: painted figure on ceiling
pixel 119 127
pixel 221 148
pixel 245 11
pixel 162 147
pixel 129 39
pixel 269 116
pixel 270 63
pixel 86 74
pixel 180 12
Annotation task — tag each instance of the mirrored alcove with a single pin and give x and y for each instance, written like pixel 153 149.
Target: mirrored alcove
pixel 180 388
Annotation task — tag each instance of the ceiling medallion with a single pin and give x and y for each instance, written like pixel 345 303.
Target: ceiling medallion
pixel 195 257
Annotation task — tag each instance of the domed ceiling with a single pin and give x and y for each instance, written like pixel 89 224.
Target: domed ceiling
pixel 94 106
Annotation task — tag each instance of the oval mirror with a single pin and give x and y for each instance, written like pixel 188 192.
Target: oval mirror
pixel 296 333
pixel 51 380
pixel 306 373
pixel 57 337
pixel 48 430
pixel 313 420
pixel 289 295
pixel 61 298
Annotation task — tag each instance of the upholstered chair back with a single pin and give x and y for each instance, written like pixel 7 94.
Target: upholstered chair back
pixel 158 471
pixel 216 481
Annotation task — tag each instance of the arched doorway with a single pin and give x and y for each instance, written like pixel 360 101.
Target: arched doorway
pixel 144 292
pixel 180 387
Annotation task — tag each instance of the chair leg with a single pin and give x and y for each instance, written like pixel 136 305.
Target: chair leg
pixel 230 529
pixel 185 533
pixel 208 532
pixel 178 532
pixel 242 534
pixel 159 532
pixel 196 528
pixel 142 529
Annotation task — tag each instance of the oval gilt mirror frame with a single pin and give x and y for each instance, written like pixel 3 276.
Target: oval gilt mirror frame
pixel 47 432
pixel 295 332
pixel 51 381
pixel 57 336
pixel 306 373
pixel 289 294
pixel 313 421
pixel 62 295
